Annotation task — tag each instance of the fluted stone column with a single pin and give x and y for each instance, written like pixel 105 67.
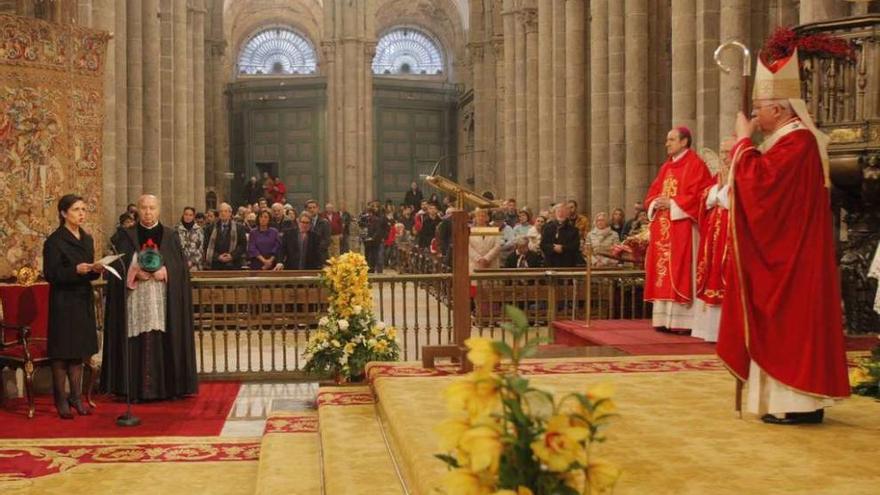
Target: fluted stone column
pixel 575 93
pixel 348 29
pixel 616 104
pixel 519 47
pixel 199 103
pixel 105 18
pixel 684 63
pixel 638 163
pixel 134 56
pixel 559 102
pixel 152 103
pixel 187 198
pixel 734 25
pixel 476 49
pixel 181 185
pixel 501 140
pixel 530 24
pixel 120 66
pixel 546 144
pixel 707 74
pixel 599 116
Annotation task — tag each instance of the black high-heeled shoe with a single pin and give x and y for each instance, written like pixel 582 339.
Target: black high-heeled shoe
pixel 79 407
pixel 63 410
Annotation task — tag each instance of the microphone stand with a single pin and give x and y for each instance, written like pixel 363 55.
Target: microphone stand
pixel 127 419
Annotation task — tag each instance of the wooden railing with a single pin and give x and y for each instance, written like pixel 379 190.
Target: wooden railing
pixel 255 325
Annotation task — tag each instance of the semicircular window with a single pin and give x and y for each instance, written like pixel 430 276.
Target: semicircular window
pixel 277 51
pixel 407 51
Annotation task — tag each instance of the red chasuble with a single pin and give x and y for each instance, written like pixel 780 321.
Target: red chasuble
pixel 712 255
pixel 669 260
pixel 782 309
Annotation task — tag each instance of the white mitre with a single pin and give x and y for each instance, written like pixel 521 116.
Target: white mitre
pixel 782 81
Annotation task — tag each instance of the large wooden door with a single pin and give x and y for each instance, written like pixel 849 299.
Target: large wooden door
pixel 289 136
pixel 414 125
pixel 410 141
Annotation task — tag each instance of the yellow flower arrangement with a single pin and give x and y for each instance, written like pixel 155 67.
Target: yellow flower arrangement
pixel 496 442
pixel 865 377
pixel 349 336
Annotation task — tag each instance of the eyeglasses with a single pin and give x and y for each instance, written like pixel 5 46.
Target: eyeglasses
pixel 305 223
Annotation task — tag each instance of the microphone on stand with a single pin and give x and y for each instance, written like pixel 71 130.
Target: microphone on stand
pixel 127 419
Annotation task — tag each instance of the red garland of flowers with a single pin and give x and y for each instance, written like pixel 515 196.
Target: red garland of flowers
pixel 783 41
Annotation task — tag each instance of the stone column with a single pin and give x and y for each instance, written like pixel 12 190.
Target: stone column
pixel 348 29
pixel 509 168
pixel 120 69
pixel 575 87
pixel 707 74
pixel 734 25
pixel 519 46
pixel 134 56
pixel 782 13
pixel 684 63
pixel 560 104
pixel 181 186
pixel 532 169
pixel 152 99
pixel 636 117
pixel 199 103
pixel 187 198
pixel 217 104
pixel 334 159
pixel 476 49
pixel 105 18
pixel 166 71
pixel 500 101
pixel 820 10
pixel 546 145
pixel 599 116
pixel 616 107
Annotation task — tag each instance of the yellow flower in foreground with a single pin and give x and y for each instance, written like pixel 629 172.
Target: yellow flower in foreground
pixel 560 445
pixel 482 445
pixel 349 348
pixel 450 432
pixel 481 352
pixel 857 376
pixel 476 393
pixel 462 482
pixel 391 332
pixel 520 490
pixel 602 475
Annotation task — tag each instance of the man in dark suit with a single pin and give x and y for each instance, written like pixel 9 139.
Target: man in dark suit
pixel 561 241
pixel 321 229
pixel 225 242
pixel 300 247
pixel 522 257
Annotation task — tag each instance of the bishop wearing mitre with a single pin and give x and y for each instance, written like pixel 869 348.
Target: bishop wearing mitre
pixel 781 328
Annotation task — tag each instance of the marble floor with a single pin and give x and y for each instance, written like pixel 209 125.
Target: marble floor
pixel 256 400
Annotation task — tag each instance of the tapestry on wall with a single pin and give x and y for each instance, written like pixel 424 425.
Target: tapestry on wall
pixel 51 118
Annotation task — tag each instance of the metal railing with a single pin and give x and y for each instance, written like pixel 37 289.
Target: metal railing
pixel 256 325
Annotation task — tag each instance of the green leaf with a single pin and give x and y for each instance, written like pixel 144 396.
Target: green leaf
pixel 448 459
pixel 517 317
pixel 503 349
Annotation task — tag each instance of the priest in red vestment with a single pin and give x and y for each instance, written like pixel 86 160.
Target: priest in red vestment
pixel 781 319
pixel 674 202
pixel 712 253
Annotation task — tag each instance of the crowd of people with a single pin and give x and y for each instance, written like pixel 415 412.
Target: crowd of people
pixel 266 235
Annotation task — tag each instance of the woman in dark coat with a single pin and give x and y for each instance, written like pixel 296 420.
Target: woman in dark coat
pixel 68 266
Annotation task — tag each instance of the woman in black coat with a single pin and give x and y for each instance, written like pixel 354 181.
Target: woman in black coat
pixel 68 266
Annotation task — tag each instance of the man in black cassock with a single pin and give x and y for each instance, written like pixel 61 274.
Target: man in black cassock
pixel 162 348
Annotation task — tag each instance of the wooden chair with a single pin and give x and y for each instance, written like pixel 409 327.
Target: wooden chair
pixel 24 330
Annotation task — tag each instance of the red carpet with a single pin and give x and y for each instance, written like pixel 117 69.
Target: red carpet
pixel 201 415
pixel 638 338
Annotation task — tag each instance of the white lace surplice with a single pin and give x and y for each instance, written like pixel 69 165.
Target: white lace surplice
pixel 146 308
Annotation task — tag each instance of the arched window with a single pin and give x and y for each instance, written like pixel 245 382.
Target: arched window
pixel 277 51
pixel 407 51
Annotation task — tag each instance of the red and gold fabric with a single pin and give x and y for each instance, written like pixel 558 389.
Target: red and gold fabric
pixel 782 309
pixel 669 260
pixel 713 251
